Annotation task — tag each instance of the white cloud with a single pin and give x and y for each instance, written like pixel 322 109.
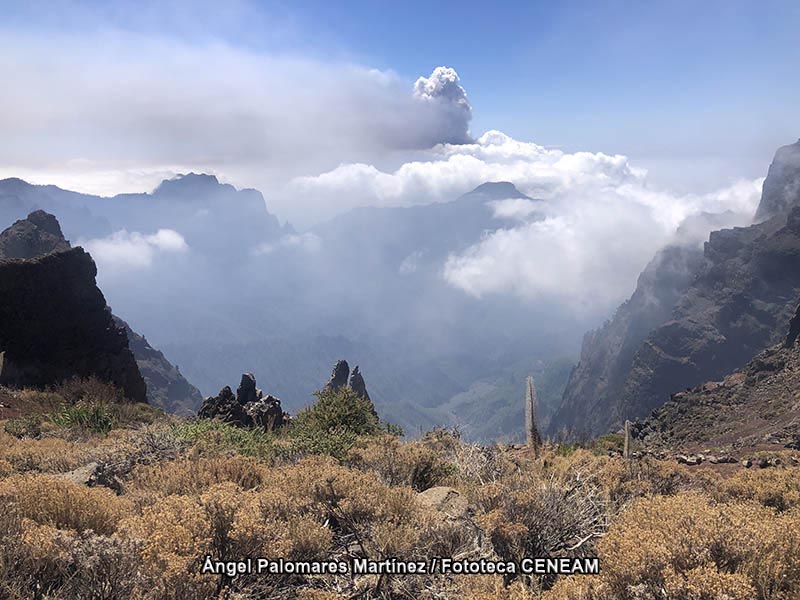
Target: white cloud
pixel 124 249
pixel 601 220
pixel 147 104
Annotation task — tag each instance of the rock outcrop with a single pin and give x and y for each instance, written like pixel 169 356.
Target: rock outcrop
pixel 339 377
pixel 608 353
pixel 55 325
pixel 712 315
pixel 755 407
pixel 782 187
pixel 37 235
pixel 357 383
pixel 247 408
pixel 40 234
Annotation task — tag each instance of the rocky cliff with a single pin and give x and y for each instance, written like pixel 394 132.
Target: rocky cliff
pixel 167 388
pixel 54 325
pixel 707 316
pixel 756 406
pixel 36 235
pixel 608 353
pixel 40 234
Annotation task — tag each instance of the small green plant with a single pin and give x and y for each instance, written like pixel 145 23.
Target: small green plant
pixel 215 434
pixel 29 426
pixel 95 417
pixel 611 442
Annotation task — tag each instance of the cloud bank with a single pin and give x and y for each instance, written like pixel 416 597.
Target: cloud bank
pixel 126 250
pixel 599 222
pixel 148 105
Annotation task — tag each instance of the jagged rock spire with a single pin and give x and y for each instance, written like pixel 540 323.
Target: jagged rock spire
pixel 339 376
pixel 357 383
pixel 534 438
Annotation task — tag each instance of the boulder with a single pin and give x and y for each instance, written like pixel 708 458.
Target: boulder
pixel 225 407
pixel 267 413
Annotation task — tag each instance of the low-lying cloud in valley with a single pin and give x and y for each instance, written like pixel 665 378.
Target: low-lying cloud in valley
pixel 598 222
pixel 124 249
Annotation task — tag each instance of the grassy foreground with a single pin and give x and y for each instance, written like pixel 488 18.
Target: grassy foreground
pixel 103 500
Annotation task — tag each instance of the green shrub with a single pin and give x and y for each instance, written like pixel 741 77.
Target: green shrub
pixel 96 417
pixel 333 424
pixel 29 426
pixel 216 435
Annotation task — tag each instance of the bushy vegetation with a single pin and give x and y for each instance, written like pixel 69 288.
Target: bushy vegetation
pixel 335 485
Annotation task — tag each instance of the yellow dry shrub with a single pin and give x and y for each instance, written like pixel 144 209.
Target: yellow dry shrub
pixel 778 488
pixel 319 595
pixel 6 468
pixel 707 583
pixel 386 519
pixel 490 587
pixel 681 540
pixel 192 475
pixel 410 464
pixel 46 455
pixel 175 535
pixel 579 587
pixel 49 500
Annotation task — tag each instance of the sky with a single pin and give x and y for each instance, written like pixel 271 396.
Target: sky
pixel 112 97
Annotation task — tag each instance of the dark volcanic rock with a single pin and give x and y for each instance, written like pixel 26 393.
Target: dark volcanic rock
pixel 754 406
pixel 608 353
pixel 167 388
pixel 37 235
pixel 225 407
pixel 266 413
pixel 357 383
pixel 339 375
pixel 782 187
pixel 733 304
pixel 248 408
pixel 55 325
pixel 247 391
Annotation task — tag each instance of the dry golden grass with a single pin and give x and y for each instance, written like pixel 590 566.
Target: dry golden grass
pixel 661 531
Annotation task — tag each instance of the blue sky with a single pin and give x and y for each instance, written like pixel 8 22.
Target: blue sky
pixel 675 85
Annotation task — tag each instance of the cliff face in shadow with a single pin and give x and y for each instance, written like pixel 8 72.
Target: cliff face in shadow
pixel 756 406
pixel 693 318
pixel 40 235
pixel 54 325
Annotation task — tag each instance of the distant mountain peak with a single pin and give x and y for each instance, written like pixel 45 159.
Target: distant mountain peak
pixel 499 188
pixel 189 183
pixel 782 187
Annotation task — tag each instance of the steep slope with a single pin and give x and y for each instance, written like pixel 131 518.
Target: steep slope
pixel 54 325
pixel 756 406
pixel 167 388
pixel 40 234
pixel 727 307
pixel 782 186
pixel 608 353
